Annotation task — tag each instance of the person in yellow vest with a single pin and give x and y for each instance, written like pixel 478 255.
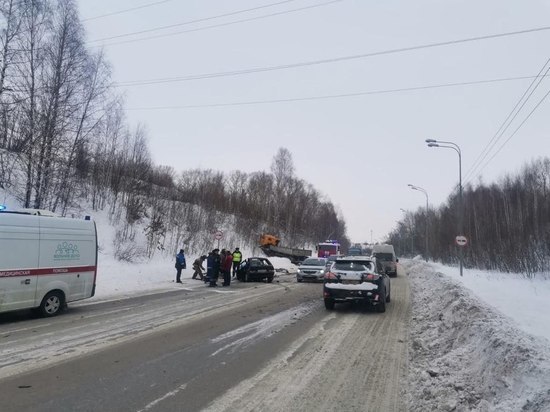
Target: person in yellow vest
pixel 237 257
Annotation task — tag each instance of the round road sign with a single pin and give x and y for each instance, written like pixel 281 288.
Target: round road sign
pixel 218 235
pixel 461 240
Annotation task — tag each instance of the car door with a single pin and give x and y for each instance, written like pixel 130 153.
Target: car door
pixel 242 267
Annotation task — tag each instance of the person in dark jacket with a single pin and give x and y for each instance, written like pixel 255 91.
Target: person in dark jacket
pixel 213 267
pixel 180 264
pixel 198 268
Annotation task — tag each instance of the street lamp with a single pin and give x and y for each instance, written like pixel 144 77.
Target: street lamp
pixel 456 148
pixel 413 187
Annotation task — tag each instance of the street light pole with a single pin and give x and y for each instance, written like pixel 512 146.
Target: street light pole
pixel 456 148
pixel 427 203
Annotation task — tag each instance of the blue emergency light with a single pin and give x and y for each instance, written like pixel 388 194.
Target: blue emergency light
pixel 3 207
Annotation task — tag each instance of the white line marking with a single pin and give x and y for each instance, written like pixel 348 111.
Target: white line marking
pixel 168 395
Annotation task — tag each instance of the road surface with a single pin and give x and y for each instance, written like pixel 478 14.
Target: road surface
pixel 250 347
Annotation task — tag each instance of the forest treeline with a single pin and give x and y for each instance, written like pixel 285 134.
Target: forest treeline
pixel 64 139
pixel 507 224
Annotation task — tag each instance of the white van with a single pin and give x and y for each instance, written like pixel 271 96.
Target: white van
pixel 45 261
pixel 386 256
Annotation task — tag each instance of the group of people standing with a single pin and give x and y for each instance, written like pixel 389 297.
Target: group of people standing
pixel 216 264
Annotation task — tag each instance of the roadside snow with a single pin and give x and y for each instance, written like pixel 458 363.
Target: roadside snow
pixel 465 355
pixel 526 301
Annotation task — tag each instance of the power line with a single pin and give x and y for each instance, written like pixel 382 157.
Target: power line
pixel 501 130
pixel 127 10
pixel 517 129
pixel 214 26
pixel 333 96
pixel 509 120
pixel 324 61
pixel 170 26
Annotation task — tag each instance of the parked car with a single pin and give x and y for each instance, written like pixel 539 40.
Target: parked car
pixel 313 269
pixel 255 268
pixel 386 255
pixel 356 279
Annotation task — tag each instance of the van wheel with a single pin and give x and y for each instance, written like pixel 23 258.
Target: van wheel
pixel 51 304
pixel 270 279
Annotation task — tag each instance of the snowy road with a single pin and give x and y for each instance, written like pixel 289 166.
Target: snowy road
pixel 252 347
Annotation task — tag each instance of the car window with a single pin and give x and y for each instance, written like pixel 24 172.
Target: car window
pixel 350 266
pixel 314 262
pixel 369 264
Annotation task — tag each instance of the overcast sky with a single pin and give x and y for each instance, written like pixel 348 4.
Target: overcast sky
pixel 361 151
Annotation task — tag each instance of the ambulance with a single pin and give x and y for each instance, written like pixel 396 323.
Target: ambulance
pixel 46 261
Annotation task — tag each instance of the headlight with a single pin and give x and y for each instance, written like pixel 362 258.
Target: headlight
pixel 299 271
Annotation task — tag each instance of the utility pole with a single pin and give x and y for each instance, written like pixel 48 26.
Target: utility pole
pixel 456 148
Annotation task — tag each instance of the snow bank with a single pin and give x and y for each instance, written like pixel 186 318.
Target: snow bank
pixel 525 300
pixel 466 356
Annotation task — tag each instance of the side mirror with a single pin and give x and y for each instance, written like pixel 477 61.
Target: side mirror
pixel 396 260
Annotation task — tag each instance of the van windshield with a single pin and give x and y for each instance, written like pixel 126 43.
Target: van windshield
pixel 386 257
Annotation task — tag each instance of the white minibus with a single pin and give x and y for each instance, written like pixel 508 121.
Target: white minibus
pixel 45 261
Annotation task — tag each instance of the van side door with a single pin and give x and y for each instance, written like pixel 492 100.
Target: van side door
pixel 68 250
pixel 19 248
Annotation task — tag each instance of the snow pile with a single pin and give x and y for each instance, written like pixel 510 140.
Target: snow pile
pixel 525 300
pixel 466 356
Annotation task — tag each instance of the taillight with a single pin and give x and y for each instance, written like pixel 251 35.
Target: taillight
pixel 330 275
pixel 370 277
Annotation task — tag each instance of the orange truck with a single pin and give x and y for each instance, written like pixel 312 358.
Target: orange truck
pixel 270 246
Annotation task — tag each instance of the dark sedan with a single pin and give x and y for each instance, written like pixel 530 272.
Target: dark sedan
pixel 255 268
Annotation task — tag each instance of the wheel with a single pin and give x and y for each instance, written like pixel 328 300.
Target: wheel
pixel 329 304
pixel 246 277
pixel 299 280
pixel 270 279
pixel 51 304
pixel 381 307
